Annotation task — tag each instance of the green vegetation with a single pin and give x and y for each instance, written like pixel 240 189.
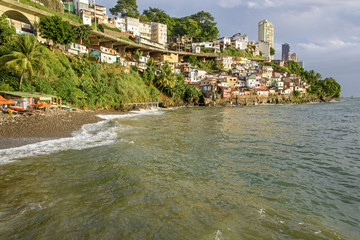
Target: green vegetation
pixel 297 93
pixel 323 88
pixel 5 31
pixel 66 15
pixel 272 51
pixel 125 8
pixel 52 27
pixel 104 26
pixel 82 32
pixel 229 51
pixel 26 57
pixel 201 25
pixel 83 83
pixel 80 81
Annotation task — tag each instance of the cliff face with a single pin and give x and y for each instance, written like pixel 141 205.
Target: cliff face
pixel 52 4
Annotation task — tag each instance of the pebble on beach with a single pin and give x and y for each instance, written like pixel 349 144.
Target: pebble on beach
pixel 16 130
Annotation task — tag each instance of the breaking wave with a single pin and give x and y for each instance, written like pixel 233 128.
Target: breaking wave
pixel 91 135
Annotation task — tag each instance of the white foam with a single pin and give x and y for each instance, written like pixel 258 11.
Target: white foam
pixel 218 235
pixel 131 114
pixel 90 135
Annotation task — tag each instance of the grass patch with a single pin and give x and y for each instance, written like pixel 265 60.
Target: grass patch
pixel 66 15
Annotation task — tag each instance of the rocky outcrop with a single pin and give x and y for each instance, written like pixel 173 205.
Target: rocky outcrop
pixel 55 5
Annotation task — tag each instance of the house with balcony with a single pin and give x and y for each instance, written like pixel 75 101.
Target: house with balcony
pixel 76 49
pixel 105 55
pixel 224 62
pixel 119 23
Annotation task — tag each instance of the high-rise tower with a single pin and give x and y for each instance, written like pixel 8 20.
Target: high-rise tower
pixel 266 32
pixel 285 52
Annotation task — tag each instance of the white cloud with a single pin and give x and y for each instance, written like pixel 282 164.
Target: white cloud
pixel 329 45
pixel 229 3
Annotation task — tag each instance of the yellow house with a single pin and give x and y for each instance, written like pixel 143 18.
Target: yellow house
pixel 171 58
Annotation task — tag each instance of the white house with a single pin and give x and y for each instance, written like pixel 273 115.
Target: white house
pixel 76 49
pixel 132 25
pixel 120 23
pixel 225 40
pixel 225 62
pixel 86 17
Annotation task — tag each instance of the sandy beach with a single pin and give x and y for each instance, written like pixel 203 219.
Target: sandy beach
pixel 19 130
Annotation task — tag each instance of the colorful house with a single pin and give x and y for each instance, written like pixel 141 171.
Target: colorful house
pixel 226 92
pixel 25 101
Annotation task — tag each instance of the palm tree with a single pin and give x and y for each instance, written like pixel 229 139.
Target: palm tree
pixel 138 55
pixel 26 57
pixel 166 78
pixel 151 63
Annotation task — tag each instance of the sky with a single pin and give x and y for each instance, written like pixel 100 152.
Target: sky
pixel 324 33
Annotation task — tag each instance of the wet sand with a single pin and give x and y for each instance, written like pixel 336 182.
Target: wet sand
pixel 19 130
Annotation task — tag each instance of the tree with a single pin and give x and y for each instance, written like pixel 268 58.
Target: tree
pixel 297 93
pixel 6 32
pixel 26 57
pixel 52 27
pixel 193 60
pixel 151 63
pixel 82 32
pixel 158 15
pixel 127 8
pixel 138 55
pixel 192 94
pixel 272 51
pixel 166 78
pixel 187 26
pixel 208 29
pixel 331 87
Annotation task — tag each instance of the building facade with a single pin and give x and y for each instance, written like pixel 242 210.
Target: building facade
pixel 285 52
pixel 145 30
pixel 159 32
pixel 80 5
pixel 294 57
pixel 132 25
pixel 266 32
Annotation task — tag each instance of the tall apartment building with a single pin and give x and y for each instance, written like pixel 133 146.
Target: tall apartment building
pixel 80 5
pixel 132 25
pixel 145 30
pixel 159 32
pixel 99 12
pixel 266 32
pixel 285 52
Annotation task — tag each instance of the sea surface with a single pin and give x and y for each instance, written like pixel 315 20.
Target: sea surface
pixel 264 172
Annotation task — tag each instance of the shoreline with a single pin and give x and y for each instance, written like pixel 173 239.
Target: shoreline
pixel 18 130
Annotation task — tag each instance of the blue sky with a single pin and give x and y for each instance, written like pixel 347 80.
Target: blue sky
pixel 324 33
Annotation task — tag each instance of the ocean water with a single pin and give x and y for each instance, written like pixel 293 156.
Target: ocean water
pixel 265 172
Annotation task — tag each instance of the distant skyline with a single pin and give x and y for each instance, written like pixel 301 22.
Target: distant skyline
pixel 324 33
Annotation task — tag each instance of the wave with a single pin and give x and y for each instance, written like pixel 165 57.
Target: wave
pixel 91 135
